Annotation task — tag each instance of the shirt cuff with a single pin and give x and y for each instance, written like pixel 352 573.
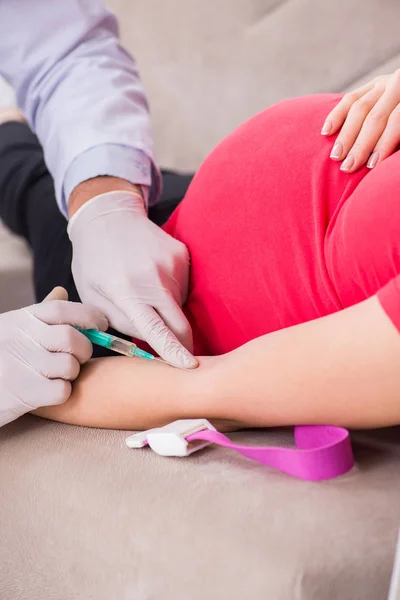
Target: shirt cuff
pixel 115 161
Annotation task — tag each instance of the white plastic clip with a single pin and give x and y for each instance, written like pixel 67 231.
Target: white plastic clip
pixel 171 439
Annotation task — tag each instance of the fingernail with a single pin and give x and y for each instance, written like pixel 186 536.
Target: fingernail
pixel 187 360
pixel 337 150
pixel 326 128
pixel 348 163
pixel 373 159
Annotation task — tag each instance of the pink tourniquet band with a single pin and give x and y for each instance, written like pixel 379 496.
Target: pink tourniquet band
pixel 322 452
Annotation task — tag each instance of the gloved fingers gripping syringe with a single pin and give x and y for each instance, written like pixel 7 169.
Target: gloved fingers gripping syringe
pixel 106 340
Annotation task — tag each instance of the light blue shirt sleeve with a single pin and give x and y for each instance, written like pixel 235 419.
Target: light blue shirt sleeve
pixel 80 91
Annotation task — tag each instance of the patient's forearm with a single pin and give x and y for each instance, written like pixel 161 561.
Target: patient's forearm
pixel 130 393
pixel 343 369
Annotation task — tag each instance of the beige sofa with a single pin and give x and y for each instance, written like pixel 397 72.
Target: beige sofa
pixel 84 517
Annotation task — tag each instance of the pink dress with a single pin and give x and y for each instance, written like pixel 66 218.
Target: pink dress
pixel 278 235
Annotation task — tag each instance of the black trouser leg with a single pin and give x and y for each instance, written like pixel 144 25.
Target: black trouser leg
pixel 28 208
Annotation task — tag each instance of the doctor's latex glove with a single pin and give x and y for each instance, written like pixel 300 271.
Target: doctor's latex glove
pixel 41 353
pixel 134 272
pixel 369 122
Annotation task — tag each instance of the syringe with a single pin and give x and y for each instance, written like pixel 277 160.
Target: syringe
pixel 115 343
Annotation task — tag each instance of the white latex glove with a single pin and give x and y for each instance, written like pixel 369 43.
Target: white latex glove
pixel 134 272
pixel 40 353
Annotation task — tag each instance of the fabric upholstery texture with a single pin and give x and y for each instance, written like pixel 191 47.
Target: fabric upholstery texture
pixel 84 517
pixel 211 65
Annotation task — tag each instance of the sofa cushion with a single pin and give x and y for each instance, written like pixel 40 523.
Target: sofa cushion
pixel 82 516
pixel 208 66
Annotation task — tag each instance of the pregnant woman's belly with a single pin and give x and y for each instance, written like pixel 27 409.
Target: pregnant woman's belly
pixel 255 220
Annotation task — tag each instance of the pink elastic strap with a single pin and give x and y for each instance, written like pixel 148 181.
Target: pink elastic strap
pixel 323 451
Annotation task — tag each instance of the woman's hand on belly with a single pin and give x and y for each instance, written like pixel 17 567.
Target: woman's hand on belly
pixel 368 119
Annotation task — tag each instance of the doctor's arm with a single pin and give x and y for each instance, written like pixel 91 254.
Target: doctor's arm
pixel 342 369
pixel 81 94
